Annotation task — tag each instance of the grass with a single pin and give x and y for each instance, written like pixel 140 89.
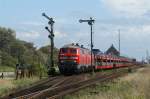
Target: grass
pixel 6 69
pixel 8 85
pixel 134 86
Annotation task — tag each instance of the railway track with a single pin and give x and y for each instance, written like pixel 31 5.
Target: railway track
pixel 65 88
pixel 34 88
pixel 43 85
pixel 58 87
pixel 57 92
pixel 62 82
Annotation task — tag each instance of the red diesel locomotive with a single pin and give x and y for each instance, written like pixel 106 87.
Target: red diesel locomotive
pixel 75 59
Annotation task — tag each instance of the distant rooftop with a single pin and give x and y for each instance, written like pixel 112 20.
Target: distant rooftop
pixel 112 51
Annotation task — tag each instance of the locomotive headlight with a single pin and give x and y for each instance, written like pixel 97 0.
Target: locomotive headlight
pixel 75 61
pixel 62 61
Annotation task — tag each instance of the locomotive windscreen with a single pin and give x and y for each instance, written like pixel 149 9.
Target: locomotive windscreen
pixel 73 51
pixel 69 50
pixel 64 50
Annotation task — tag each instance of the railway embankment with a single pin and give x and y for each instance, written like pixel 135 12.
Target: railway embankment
pixel 135 85
pixel 8 85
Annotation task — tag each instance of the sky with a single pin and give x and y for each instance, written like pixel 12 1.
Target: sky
pixel 130 16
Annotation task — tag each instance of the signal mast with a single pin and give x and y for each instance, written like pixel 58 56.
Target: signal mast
pixel 90 22
pixel 51 37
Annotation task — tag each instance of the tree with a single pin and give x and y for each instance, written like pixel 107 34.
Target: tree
pixel 17 50
pixel 46 51
pixel 14 51
pixel 6 38
pixel 0 58
pixel 8 60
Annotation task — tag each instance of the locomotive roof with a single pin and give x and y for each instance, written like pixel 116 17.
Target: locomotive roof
pixel 70 46
pixel 73 46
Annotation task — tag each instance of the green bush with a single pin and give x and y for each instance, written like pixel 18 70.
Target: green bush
pixel 6 69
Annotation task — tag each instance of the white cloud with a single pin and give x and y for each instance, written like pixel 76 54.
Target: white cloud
pixel 28 35
pixel 31 23
pixel 139 33
pixel 60 34
pixel 128 8
pixel 128 32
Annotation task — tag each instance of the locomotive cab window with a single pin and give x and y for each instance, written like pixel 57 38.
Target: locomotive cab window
pixel 64 50
pixel 73 51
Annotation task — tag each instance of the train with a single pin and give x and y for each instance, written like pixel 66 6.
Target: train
pixel 74 59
